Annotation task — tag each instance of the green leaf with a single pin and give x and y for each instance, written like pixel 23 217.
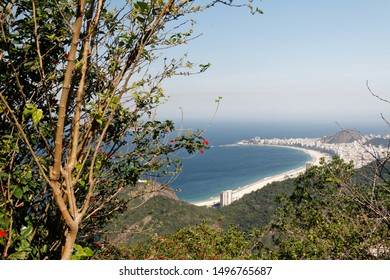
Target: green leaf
pixel 18 193
pixel 52 37
pixel 44 249
pixel 18 256
pixel 29 110
pixel 77 247
pixel 26 232
pixel 26 189
pixel 334 180
pixel 140 19
pixel 143 6
pixel 204 67
pixel 80 252
pixel 88 252
pixel 3 175
pixel 37 116
pixel 78 64
pixel 114 102
pixel 78 166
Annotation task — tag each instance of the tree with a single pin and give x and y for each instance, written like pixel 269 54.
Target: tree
pixel 78 98
pixel 327 217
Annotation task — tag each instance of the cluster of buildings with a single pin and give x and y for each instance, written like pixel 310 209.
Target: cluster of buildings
pixel 361 151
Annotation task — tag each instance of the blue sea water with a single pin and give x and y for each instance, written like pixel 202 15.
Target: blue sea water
pixel 230 167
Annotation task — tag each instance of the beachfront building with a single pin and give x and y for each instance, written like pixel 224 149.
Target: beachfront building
pixel 361 152
pixel 226 198
pixel 309 165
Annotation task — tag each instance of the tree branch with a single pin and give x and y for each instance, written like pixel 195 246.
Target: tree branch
pixel 375 95
pixel 55 174
pixel 24 136
pixel 42 70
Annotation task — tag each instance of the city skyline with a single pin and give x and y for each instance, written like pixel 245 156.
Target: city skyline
pixel 299 60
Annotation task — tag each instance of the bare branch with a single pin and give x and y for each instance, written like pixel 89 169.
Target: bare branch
pixel 375 95
pixel 42 70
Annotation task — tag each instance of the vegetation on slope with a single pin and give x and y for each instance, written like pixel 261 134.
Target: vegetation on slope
pixel 164 215
pixel 159 215
pixel 256 209
pixel 331 215
pixel 331 211
pixel 199 242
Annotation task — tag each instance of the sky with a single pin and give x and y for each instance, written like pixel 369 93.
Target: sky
pixel 302 60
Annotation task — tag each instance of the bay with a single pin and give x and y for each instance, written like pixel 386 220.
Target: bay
pixel 230 167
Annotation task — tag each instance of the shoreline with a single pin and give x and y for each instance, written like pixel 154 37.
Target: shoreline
pixel 240 192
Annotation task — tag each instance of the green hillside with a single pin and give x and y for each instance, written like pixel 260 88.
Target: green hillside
pixel 329 212
pixel 162 215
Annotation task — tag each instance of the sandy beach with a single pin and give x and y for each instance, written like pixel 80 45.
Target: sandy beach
pixel 237 194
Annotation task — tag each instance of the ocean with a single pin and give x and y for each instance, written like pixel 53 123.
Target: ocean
pixel 230 167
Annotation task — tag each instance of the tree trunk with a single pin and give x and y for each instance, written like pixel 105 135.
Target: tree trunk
pixel 70 239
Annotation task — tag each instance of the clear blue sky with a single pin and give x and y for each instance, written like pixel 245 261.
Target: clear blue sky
pixel 300 60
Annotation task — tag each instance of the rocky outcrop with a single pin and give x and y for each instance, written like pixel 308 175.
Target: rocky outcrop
pixel 145 190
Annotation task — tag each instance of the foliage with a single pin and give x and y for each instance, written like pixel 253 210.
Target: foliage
pixel 166 215
pixel 78 100
pixel 325 218
pixel 162 215
pixel 321 216
pixel 200 242
pixel 80 253
pixel 256 210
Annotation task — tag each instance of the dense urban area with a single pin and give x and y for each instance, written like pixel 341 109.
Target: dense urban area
pixel 349 145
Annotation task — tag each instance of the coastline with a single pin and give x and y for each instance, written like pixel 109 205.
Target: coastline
pixel 240 192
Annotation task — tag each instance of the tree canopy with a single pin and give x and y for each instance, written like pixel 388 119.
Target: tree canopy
pixel 78 100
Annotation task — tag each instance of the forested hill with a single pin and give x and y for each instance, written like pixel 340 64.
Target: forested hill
pixel 163 214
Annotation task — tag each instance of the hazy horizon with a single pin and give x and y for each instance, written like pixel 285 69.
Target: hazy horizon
pixel 228 132
pixel 300 60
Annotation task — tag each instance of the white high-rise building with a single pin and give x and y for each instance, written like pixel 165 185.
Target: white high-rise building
pixel 226 197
